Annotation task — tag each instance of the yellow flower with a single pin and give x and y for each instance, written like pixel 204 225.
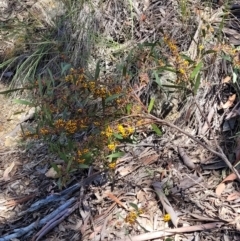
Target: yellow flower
pixel 112 165
pixel 81 160
pixel 71 126
pixel 85 151
pixel 109 131
pixel 185 63
pixel 121 129
pixel 182 71
pixel 44 131
pixel 112 146
pixel 131 217
pixel 201 47
pixel 166 218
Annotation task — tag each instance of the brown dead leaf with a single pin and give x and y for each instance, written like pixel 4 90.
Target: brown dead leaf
pixel 233 196
pixel 209 119
pixel 220 188
pixel 230 102
pixel 226 79
pixel 144 78
pixel 95 232
pixel 150 159
pixel 141 196
pixel 230 177
pixel 115 199
pixel 7 171
pixel 51 173
pixel 143 17
pixel 186 159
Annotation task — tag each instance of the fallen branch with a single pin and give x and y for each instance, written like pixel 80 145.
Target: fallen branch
pixel 26 230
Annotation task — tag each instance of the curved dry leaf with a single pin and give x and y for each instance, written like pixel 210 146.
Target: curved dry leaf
pixel 7 171
pixel 51 173
pixel 220 188
pixel 186 159
pixel 230 102
pixel 230 177
pixel 233 196
pixel 226 79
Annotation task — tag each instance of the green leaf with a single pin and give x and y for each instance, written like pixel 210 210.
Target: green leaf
pixel 226 57
pixel 56 168
pixel 12 90
pixel 156 129
pixel 151 104
pixel 174 86
pixel 118 136
pixel 209 52
pixel 83 166
pixel 97 71
pixel 196 70
pixel 184 56
pixel 65 67
pixel 18 112
pixel 167 69
pixel 197 84
pixel 116 155
pixel 129 107
pixel 124 71
pixel 234 76
pixel 157 79
pixel 112 97
pixel 134 206
pixel 69 165
pixel 23 102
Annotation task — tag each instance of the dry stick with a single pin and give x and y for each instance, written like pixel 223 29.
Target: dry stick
pixel 170 232
pixel 221 155
pixel 216 143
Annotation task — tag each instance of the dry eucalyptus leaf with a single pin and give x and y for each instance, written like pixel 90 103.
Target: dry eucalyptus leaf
pixel 226 79
pixel 51 173
pixel 230 102
pixel 7 171
pixel 220 188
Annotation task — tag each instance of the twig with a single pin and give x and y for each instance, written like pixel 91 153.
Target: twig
pixel 55 221
pixel 169 232
pixel 219 154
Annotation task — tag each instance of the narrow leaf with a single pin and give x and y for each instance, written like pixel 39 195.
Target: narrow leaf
pixel 209 52
pixel 151 104
pixel 23 102
pixel 116 155
pixel 134 206
pixel 112 97
pixel 118 136
pixel 12 90
pixel 129 107
pixel 84 166
pixel 65 67
pixel 97 71
pixel 156 129
pixel 196 70
pixel 197 84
